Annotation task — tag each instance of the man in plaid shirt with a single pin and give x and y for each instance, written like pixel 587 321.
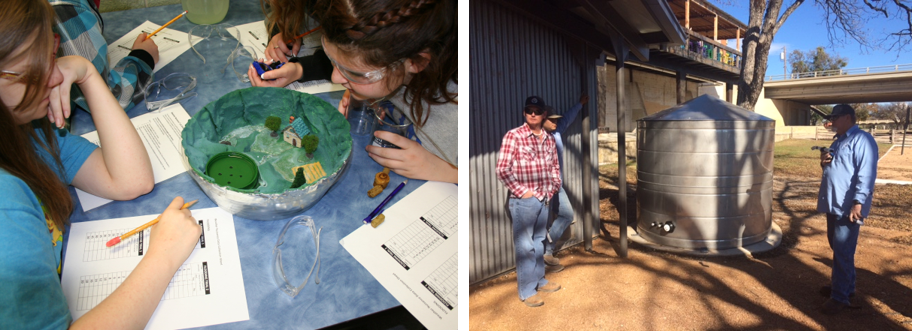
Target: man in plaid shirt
pixel 528 166
pixel 80 28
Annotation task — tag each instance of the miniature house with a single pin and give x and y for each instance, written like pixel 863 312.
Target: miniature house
pixel 293 133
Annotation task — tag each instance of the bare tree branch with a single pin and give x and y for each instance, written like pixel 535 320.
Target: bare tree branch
pixel 844 20
pixel 788 11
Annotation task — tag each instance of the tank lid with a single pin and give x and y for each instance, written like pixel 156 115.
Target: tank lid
pixel 706 108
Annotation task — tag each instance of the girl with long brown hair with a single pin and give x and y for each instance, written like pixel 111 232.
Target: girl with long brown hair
pixel 38 162
pixel 404 51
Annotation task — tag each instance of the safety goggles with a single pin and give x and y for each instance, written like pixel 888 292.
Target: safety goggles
pixel 295 239
pixel 361 77
pixel 16 76
pixel 173 88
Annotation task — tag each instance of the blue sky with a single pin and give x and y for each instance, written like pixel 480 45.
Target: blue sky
pixel 805 30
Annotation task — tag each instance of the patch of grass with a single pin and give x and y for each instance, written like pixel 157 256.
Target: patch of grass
pixel 609 173
pixel 795 158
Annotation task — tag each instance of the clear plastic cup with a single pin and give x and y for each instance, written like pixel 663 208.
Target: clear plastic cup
pixel 361 117
pixel 392 122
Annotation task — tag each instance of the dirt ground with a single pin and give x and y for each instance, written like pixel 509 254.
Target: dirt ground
pixel 653 290
pixel 896 164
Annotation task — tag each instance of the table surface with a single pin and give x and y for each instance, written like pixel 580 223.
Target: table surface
pixel 347 290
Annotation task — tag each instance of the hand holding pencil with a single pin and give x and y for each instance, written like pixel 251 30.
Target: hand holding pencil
pixel 166 25
pixel 148 45
pixel 177 232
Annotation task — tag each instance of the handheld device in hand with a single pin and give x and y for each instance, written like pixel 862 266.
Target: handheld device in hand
pixel 262 68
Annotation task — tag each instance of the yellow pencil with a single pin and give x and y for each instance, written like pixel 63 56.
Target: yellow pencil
pixel 166 24
pixel 117 239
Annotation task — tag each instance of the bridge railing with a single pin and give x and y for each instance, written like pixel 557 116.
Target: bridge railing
pixel 841 72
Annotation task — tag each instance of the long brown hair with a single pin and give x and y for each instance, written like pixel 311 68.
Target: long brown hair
pixel 287 17
pixel 28 22
pixel 381 32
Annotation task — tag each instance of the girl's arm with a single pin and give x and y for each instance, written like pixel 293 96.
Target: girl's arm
pixel 131 305
pixel 120 169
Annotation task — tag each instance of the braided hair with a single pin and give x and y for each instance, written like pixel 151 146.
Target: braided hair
pixel 381 32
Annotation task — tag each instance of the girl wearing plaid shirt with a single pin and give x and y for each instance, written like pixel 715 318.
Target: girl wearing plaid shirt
pixel 528 166
pixel 80 28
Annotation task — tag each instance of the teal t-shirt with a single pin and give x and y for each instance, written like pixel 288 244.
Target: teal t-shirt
pixel 30 249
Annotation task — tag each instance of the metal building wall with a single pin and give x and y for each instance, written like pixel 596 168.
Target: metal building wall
pixel 512 57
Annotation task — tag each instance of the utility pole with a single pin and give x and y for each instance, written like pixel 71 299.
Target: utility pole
pixel 782 56
pixel 902 149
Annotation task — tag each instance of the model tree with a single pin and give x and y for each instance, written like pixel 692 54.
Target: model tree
pixel 273 123
pixel 299 178
pixel 310 142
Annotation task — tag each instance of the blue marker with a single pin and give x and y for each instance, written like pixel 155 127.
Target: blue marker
pixel 379 208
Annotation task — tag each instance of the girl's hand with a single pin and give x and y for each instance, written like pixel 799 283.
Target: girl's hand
pixel 283 76
pixel 343 104
pixel 176 234
pixel 412 160
pixel 146 45
pixel 74 69
pixel 59 105
pixel 276 49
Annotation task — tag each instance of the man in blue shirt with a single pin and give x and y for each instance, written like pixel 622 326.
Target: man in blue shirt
pixel 846 190
pixel 555 125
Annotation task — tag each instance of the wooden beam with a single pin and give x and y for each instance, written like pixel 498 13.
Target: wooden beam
pixel 686 13
pixel 738 39
pixel 716 27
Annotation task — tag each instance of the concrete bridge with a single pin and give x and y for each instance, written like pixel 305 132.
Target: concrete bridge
pixel 862 85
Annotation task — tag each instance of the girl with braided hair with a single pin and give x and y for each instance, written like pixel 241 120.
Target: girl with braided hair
pixel 404 51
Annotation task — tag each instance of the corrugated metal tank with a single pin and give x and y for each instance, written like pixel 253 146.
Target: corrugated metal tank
pixel 705 175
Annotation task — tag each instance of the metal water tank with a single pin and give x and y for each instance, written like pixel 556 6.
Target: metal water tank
pixel 705 175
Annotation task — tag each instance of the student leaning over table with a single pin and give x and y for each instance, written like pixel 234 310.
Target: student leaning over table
pixel 80 28
pixel 37 162
pixel 401 50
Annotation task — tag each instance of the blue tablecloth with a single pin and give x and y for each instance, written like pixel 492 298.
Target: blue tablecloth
pixel 347 290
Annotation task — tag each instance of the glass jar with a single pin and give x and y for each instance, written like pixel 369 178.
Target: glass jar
pixel 205 12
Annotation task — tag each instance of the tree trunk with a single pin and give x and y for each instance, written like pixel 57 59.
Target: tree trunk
pixel 762 26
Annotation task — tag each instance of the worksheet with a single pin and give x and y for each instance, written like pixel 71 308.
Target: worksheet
pixel 255 36
pixel 413 253
pixel 161 135
pixel 171 44
pixel 207 289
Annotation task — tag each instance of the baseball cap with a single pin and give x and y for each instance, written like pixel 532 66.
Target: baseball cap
pixel 552 114
pixel 839 110
pixel 535 101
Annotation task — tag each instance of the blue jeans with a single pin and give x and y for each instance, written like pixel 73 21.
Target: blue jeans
pixel 530 217
pixel 560 204
pixel 843 237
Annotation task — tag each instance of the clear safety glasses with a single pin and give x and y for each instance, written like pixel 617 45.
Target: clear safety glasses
pixel 166 91
pixel 361 77
pixel 292 241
